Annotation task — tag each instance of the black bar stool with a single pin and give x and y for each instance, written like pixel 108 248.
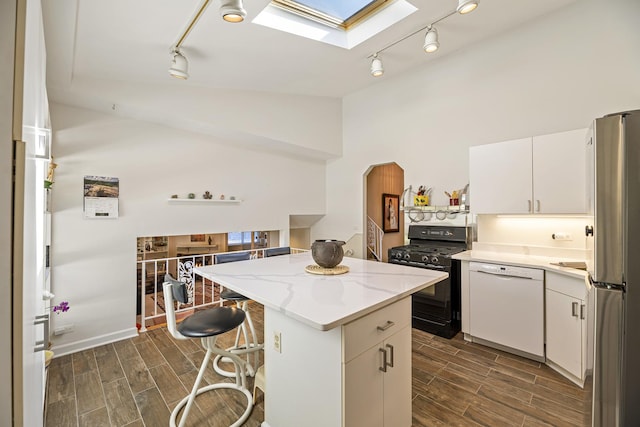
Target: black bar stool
pixel 251 345
pixel 206 325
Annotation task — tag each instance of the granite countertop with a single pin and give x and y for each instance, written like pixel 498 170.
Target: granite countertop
pixel 322 302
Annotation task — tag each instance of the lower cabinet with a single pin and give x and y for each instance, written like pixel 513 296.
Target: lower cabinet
pixel 378 384
pixel 567 310
pixel 377 381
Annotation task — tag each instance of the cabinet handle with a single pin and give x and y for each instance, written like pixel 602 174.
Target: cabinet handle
pixel 582 311
pixel 390 347
pixel 383 368
pixel 574 309
pixel 530 206
pixel 538 205
pixel 42 320
pixel 386 326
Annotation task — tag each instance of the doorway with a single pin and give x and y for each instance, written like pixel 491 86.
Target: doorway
pixel 382 183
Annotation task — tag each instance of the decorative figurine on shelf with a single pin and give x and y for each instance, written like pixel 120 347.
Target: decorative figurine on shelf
pixel 207 195
pixel 174 196
pixel 222 197
pixel 191 196
pixel 209 240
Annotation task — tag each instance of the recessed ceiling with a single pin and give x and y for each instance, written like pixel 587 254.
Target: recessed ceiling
pixel 128 41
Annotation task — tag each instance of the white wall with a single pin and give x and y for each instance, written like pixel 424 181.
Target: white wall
pixel 554 74
pixel 94 261
pixel 7 40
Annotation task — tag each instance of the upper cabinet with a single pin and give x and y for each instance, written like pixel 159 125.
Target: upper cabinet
pixel 543 174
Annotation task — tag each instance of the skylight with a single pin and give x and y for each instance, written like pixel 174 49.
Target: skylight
pixel 334 21
pixel 336 14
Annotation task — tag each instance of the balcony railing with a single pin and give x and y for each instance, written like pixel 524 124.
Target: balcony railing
pixel 201 292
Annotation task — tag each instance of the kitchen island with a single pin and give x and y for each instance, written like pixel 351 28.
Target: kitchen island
pixel 337 347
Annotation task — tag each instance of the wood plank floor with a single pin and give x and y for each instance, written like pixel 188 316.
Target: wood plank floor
pixel 137 382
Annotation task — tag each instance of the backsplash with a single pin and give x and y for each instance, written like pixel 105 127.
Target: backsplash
pixel 532 234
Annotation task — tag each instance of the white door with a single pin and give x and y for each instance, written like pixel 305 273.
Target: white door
pixel 29 337
pixel 564 331
pixel 32 259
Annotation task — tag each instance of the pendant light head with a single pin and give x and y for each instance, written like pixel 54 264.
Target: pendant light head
pixel 376 66
pixel 431 40
pixel 179 65
pixel 232 10
pixel 466 6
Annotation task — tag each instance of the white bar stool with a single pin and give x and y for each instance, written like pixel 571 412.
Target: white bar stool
pixel 206 325
pixel 247 330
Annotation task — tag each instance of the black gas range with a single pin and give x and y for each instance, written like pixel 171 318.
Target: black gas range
pixel 435 309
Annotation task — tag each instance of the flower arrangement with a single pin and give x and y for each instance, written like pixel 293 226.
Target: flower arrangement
pixel 63 307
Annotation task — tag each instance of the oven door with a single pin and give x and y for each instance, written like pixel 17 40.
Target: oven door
pixel 437 309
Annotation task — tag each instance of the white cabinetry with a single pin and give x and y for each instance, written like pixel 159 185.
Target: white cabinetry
pixel 377 368
pixel 543 174
pixel 567 311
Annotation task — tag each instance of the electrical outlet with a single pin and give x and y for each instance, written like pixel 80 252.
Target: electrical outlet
pixel 65 329
pixel 277 341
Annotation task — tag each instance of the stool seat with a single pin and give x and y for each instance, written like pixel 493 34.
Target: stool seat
pixel 230 295
pixel 210 322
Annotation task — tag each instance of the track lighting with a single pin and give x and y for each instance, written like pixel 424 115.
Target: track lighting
pixel 376 66
pixel 179 66
pixel 466 6
pixel 431 43
pixel 431 40
pixel 232 10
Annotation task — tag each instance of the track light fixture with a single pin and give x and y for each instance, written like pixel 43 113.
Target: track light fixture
pixel 466 6
pixel 431 43
pixel 376 66
pixel 179 65
pixel 431 40
pixel 232 10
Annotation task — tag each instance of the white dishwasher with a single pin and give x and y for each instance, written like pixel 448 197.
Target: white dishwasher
pixel 506 308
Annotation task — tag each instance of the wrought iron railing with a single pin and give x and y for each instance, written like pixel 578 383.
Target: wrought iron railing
pixel 201 292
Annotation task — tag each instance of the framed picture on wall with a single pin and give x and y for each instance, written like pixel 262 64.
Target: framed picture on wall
pixel 390 213
pixel 197 237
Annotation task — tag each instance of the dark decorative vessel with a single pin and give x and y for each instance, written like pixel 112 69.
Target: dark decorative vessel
pixel 327 253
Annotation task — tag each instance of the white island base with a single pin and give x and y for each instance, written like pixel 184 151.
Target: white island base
pixel 318 373
pixel 343 357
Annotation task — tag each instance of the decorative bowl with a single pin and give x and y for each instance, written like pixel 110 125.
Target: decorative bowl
pixel 327 253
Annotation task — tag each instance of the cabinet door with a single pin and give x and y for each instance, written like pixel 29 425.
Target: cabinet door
pixel 500 177
pixel 564 332
pixel 397 381
pixel 363 389
pixel 559 169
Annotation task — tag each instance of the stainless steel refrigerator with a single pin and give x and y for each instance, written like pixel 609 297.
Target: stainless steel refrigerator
pixel 613 240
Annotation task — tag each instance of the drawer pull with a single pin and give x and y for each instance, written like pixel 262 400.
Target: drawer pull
pixel 574 309
pixel 582 311
pixel 390 347
pixel 383 368
pixel 386 326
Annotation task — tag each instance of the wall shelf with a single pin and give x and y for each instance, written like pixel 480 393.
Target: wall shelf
pixel 204 201
pixel 445 208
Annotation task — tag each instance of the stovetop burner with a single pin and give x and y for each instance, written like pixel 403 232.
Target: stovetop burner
pixel 430 247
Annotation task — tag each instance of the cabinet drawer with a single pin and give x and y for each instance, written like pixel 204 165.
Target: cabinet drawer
pixel 375 327
pixel 571 286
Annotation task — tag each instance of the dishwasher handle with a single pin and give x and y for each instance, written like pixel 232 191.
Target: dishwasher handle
pixel 505 275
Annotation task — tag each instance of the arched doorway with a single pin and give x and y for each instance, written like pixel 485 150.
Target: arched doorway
pixel 382 183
